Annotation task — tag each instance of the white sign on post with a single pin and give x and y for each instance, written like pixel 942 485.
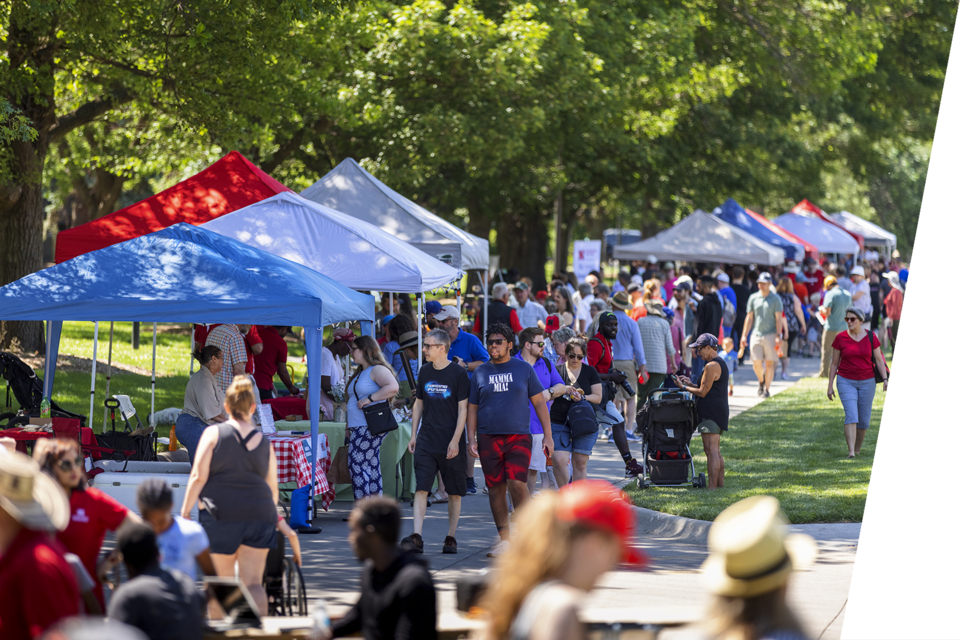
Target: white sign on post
pixel 586 257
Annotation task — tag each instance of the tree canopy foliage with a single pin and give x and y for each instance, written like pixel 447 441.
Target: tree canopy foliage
pixel 498 114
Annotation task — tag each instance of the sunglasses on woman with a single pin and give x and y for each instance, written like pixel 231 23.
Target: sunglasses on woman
pixel 575 356
pixel 68 465
pixel 852 319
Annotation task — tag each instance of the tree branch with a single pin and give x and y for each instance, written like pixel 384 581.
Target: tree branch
pixel 89 112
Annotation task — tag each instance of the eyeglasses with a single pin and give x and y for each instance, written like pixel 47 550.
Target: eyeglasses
pixel 575 356
pixel 495 342
pixel 67 465
pixel 427 346
pixel 852 319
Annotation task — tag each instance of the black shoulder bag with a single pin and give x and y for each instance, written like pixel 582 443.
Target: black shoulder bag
pixel 378 415
pixel 877 375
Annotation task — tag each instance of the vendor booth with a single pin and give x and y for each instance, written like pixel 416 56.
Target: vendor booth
pixel 228 184
pixel 827 237
pixel 352 190
pixel 807 208
pixel 732 213
pixel 186 274
pixel 702 237
pixel 873 236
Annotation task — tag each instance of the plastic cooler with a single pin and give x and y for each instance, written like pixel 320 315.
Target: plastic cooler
pixel 122 485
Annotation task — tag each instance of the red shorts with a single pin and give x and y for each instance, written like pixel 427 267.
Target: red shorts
pixel 504 458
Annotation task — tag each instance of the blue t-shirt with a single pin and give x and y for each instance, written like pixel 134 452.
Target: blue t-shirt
pixel 502 392
pixel 468 347
pixel 181 544
pixel 548 377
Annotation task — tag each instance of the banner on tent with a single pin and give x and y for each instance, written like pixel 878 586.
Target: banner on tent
pixel 586 257
pixel 447 253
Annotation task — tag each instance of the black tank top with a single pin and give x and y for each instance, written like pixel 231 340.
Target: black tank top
pixel 716 405
pixel 237 484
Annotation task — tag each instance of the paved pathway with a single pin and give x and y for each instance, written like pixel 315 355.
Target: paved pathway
pixel 670 586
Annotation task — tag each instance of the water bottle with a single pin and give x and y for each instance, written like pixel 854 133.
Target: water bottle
pixel 321 621
pixel 45 407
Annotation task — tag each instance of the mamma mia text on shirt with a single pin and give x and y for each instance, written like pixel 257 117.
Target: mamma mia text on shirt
pixel 500 381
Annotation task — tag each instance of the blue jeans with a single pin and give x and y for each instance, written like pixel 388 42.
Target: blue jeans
pixel 857 399
pixel 189 429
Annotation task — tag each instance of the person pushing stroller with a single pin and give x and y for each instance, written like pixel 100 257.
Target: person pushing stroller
pixel 713 406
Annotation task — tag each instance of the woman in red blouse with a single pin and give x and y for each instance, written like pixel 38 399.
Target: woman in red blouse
pixel 92 512
pixel 854 353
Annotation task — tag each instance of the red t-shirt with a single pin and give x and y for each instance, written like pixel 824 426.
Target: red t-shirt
pixel 37 586
pixel 801 290
pixel 600 357
pixel 273 356
pixel 814 280
pixel 200 333
pixel 92 514
pixel 856 358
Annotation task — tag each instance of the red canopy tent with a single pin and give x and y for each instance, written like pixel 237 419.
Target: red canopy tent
pixel 807 208
pixel 230 183
pixel 810 250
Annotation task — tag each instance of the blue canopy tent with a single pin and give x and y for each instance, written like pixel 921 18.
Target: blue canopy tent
pixel 732 213
pixel 187 274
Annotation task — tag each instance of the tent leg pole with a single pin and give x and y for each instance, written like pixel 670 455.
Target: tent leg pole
pixel 153 380
pixel 486 306
pixel 193 346
pixel 109 372
pixel 93 368
pixel 419 338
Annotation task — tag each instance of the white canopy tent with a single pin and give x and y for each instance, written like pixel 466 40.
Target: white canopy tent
pixel 824 236
pixel 873 235
pixel 348 250
pixel 703 237
pixel 352 190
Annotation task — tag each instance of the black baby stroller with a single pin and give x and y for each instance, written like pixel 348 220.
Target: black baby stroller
pixel 667 421
pixel 28 390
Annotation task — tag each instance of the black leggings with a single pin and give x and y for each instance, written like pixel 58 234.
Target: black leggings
pixel 790 338
pixel 620 439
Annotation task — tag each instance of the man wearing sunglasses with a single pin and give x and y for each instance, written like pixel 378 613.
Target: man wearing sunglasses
pixel 498 426
pixel 532 344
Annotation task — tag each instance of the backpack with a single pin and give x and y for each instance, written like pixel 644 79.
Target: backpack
pixel 729 313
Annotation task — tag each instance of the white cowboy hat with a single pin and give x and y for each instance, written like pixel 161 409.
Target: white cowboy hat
pixel 30 496
pixel 894 279
pixel 751 552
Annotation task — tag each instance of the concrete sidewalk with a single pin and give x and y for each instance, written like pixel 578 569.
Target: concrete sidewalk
pixel 670 586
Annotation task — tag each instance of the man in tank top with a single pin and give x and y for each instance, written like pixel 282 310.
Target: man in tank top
pixel 713 406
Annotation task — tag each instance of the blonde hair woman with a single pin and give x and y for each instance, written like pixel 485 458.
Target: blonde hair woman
pixel 374 381
pixel 566 541
pixel 234 477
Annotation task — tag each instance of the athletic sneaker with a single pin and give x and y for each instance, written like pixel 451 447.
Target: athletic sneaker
pixel 449 544
pixel 499 549
pixel 760 390
pixel 766 393
pixel 471 487
pixel 632 437
pixel 633 469
pixel 413 543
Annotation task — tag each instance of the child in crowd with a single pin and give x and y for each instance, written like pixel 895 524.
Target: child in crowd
pixel 183 543
pixel 729 356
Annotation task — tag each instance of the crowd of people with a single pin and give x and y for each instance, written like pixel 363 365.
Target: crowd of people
pixel 553 374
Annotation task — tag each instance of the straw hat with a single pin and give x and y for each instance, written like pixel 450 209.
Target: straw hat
pixel 751 552
pixel 30 496
pixel 654 307
pixel 894 279
pixel 621 300
pixel 408 339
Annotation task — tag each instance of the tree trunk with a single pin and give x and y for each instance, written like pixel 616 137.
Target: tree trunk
pixel 21 227
pixel 522 242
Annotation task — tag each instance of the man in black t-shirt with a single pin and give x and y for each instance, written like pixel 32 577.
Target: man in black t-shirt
pixel 439 445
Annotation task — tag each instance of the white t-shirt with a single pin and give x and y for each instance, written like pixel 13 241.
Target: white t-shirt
pixel 329 366
pixel 181 544
pixel 863 303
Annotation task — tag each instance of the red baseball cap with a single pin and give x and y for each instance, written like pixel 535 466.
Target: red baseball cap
pixel 597 503
pixel 552 324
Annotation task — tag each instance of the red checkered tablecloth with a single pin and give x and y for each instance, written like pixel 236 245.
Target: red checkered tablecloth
pixel 293 466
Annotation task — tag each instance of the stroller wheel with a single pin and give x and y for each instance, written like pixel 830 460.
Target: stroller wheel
pixel 641 483
pixel 702 481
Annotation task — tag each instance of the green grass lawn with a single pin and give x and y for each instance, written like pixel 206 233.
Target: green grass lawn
pixel 790 446
pixel 72 388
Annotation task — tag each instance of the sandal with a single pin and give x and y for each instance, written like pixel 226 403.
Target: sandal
pixel 438 500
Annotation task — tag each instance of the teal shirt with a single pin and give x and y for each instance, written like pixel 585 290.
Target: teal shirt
pixel 838 300
pixel 765 312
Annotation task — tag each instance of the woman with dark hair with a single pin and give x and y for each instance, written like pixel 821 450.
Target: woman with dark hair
pixel 792 317
pixel 92 512
pixel 565 308
pixel 854 353
pixel 372 382
pixel 202 400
